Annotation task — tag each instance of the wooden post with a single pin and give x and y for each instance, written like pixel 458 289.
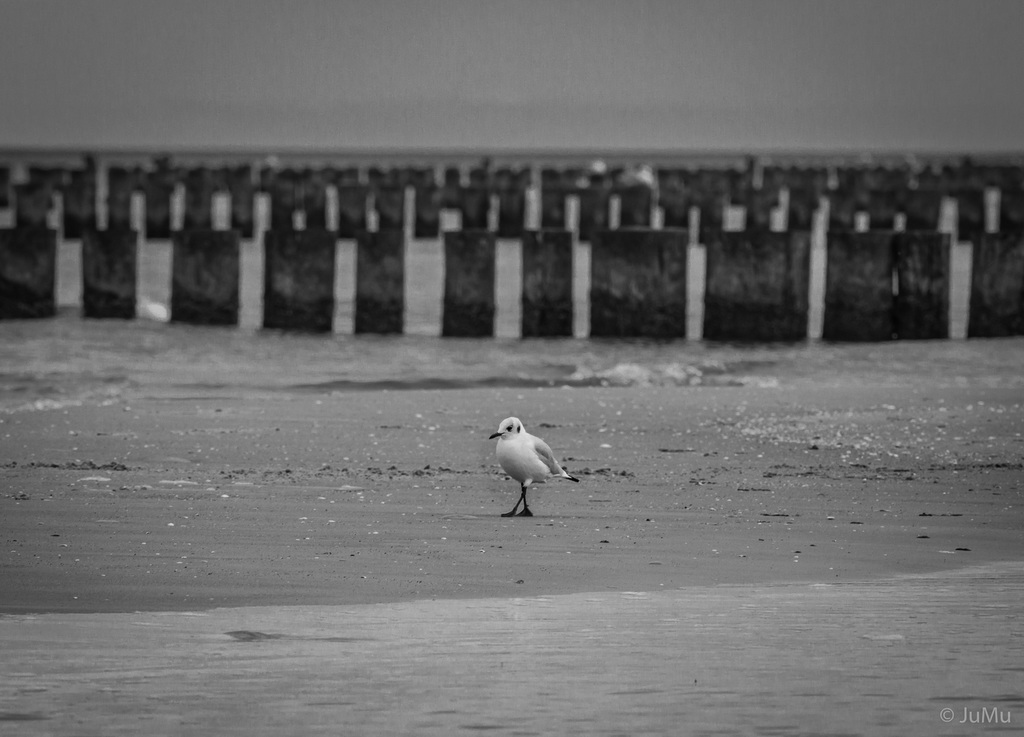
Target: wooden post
pixel 757 286
pixel 242 189
pixel 79 204
pixel 760 203
pixel 298 279
pixel 198 200
pixel 285 199
pixel 108 273
pixel 469 263
pixel 859 300
pixel 634 206
pixel 1011 210
pixel 159 190
pixel 351 210
pixel 475 205
pixel 997 286
pixel 806 186
pixel 883 206
pixel 674 198
pixel 922 299
pixel 313 200
pixel 511 211
pixel 481 175
pixel 970 214
pixel 422 176
pixel 803 203
pixel 204 277
pixel 552 207
pixel 510 186
pixel 638 283
pixel 414 176
pixel 32 204
pixel 593 211
pixel 380 282
pixel 428 212
pixel 922 208
pixel 712 215
pixel 547 284
pixel 886 190
pixel 389 202
pixel 28 273
pixel 375 176
pixel 843 206
pixel 450 189
pixel 711 193
pixel 347 175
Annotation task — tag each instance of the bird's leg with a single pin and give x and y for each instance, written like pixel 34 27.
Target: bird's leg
pixel 526 510
pixel 522 498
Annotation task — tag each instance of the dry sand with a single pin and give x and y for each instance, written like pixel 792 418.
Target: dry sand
pixel 804 559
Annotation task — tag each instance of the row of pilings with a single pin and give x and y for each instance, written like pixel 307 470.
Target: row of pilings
pixel 887 233
pixel 879 285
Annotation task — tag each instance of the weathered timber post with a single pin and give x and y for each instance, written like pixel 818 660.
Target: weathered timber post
pixel 469 258
pixel 475 206
pixel 108 273
pixel 28 272
pixel 922 271
pixel 380 282
pixel 593 211
pixel 159 188
pixel 428 212
pixel 389 202
pixel 757 286
pixel 552 207
pixel 634 206
pixel 997 286
pixel 638 283
pixel 298 279
pixel 242 189
pixel 511 211
pixel 313 199
pixel 351 210
pixel 79 200
pixel 32 203
pixel 199 188
pixel 204 277
pixel 547 284
pixel 859 300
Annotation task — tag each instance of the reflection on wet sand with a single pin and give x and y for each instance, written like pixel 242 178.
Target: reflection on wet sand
pixel 885 657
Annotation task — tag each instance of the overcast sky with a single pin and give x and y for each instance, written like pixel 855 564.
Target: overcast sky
pixel 514 74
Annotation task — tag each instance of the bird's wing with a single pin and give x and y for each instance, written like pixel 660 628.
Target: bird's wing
pixel 546 456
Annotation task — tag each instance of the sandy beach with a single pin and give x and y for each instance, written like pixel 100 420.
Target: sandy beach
pixel 218 561
pixel 184 502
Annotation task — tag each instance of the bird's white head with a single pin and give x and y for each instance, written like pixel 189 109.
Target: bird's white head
pixel 509 427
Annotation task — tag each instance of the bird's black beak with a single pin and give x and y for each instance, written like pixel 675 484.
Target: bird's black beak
pixel 495 435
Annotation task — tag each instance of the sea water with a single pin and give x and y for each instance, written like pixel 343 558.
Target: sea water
pixel 71 359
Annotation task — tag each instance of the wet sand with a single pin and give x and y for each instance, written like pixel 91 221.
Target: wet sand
pixel 820 559
pixel 826 659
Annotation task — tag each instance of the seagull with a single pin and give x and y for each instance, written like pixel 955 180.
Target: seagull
pixel 527 459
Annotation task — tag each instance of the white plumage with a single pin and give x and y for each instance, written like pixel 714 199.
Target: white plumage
pixel 527 459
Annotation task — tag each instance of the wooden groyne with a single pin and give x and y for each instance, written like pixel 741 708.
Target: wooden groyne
pixel 882 233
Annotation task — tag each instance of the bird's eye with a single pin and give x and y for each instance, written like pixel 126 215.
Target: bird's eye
pixel 509 428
